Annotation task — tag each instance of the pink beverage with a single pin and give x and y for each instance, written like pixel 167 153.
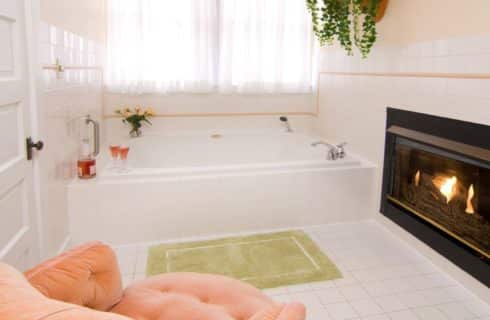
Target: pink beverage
pixel 123 152
pixel 86 168
pixel 114 151
pixel 86 162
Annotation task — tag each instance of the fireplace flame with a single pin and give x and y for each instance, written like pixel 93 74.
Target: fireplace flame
pixel 417 178
pixel 469 206
pixel 448 188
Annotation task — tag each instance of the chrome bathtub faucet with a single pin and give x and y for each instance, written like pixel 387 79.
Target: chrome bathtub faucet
pixel 334 151
pixel 286 122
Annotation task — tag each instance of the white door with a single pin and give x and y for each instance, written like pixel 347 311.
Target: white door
pixel 19 245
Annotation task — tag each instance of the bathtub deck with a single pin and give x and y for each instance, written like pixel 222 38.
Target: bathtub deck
pixel 384 279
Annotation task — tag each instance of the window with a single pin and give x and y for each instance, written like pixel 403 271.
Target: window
pixel 253 46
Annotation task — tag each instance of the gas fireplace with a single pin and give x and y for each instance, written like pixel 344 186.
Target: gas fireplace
pixel 436 185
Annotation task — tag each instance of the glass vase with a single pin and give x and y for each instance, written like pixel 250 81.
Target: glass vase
pixel 135 133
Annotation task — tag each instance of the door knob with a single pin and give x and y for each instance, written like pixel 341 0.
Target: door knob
pixel 33 145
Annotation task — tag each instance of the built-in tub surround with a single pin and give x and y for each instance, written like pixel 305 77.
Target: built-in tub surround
pixel 197 185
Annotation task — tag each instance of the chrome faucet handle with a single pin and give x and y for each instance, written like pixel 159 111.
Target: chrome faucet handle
pixel 323 143
pixel 286 123
pixel 96 128
pixel 332 153
pixel 341 149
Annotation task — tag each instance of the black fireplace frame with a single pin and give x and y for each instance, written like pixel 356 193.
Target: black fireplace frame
pixel 469 133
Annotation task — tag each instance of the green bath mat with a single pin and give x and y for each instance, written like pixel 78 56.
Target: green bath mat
pixel 264 260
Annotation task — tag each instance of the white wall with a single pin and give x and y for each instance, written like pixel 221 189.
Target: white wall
pixel 352 108
pixel 86 18
pixel 62 101
pixel 214 103
pixel 74 32
pixel 407 22
pixel 208 112
pixel 117 131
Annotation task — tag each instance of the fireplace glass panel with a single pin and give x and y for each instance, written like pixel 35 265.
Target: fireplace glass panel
pixel 447 190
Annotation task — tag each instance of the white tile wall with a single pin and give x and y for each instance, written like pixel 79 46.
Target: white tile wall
pixel 214 103
pixel 62 102
pixel 353 108
pixel 118 131
pixel 211 103
pixel 456 55
pixel 70 50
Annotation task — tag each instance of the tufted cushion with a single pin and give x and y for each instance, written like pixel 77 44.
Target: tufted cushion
pixel 20 301
pixel 87 276
pixel 194 296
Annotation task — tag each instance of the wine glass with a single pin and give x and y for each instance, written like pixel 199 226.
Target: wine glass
pixel 114 150
pixel 123 155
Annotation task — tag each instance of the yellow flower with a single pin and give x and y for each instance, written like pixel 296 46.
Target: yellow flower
pixel 150 112
pixel 138 110
pixel 125 112
pixel 118 111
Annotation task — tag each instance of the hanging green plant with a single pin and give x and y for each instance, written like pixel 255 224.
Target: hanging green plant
pixel 350 22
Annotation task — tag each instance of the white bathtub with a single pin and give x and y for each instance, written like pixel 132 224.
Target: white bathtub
pixel 202 185
pixel 159 156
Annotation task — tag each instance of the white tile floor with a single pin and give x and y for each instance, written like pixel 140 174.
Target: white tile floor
pixel 383 279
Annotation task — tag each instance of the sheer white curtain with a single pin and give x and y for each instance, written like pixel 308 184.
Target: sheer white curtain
pixel 161 45
pixel 265 46
pixel 164 46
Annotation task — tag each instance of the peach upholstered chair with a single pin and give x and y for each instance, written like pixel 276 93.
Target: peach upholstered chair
pixel 85 283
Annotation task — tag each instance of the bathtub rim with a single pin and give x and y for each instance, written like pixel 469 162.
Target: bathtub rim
pixel 151 176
